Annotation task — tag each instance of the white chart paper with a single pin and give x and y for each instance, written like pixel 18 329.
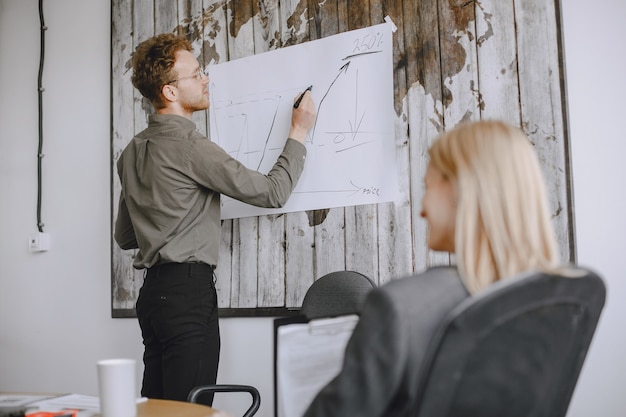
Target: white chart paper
pixel 351 156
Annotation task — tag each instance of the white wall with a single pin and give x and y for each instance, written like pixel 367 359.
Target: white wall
pixel 595 59
pixel 54 307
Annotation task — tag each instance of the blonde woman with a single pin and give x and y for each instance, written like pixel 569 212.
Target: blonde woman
pixel 485 201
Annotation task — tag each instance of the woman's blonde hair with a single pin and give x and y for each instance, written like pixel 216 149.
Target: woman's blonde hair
pixel 503 224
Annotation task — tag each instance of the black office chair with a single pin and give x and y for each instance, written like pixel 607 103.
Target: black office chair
pixel 336 294
pixel 515 349
pixel 256 397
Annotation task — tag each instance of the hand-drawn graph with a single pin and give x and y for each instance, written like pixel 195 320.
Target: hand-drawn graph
pixel 351 156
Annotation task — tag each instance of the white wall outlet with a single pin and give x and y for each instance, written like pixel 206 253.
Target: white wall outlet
pixel 39 242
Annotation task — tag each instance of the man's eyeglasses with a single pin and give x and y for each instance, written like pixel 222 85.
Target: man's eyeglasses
pixel 198 76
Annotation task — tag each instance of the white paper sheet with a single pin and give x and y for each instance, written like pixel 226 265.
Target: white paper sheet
pixel 351 156
pixel 70 401
pixel 10 401
pixel 88 405
pixel 309 355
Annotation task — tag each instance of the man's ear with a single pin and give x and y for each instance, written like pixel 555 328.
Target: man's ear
pixel 169 92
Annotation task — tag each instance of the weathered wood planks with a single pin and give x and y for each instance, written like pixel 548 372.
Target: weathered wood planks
pixel 453 60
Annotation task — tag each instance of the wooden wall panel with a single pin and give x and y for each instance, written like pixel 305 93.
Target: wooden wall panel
pixel 125 281
pixel 453 60
pixel 541 101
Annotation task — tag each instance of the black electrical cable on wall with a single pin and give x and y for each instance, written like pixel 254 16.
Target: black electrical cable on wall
pixel 40 99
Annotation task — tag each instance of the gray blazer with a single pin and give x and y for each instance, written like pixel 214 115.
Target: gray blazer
pixel 384 354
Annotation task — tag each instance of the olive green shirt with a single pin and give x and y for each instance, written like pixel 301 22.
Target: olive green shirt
pixel 172 177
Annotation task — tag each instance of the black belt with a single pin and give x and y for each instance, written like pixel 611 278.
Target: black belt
pixel 185 267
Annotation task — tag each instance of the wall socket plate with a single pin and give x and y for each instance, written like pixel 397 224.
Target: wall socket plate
pixel 39 242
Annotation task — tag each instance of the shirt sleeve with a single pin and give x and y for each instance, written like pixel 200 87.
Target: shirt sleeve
pixel 124 231
pixel 214 168
pixel 373 366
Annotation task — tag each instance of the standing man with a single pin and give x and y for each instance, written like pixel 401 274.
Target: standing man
pixel 169 208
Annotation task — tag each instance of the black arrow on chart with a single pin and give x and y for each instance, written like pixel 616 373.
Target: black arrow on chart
pixel 342 70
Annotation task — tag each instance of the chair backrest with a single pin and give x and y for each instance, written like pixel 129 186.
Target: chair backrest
pixel 210 389
pixel 515 349
pixel 336 294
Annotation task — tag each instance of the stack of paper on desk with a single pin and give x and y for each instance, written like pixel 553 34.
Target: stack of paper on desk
pixel 87 405
pixel 13 404
pixel 30 403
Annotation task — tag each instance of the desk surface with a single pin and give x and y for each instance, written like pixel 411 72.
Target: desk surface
pixel 166 408
pixel 149 408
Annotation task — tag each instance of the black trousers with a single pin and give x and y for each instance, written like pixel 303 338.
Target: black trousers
pixel 178 316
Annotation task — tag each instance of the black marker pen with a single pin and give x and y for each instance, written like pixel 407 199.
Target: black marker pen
pixel 297 103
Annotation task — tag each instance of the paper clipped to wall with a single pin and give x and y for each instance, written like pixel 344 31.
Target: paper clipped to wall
pixel 351 157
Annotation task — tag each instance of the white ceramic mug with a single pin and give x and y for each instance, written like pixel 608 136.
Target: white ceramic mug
pixel 116 384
